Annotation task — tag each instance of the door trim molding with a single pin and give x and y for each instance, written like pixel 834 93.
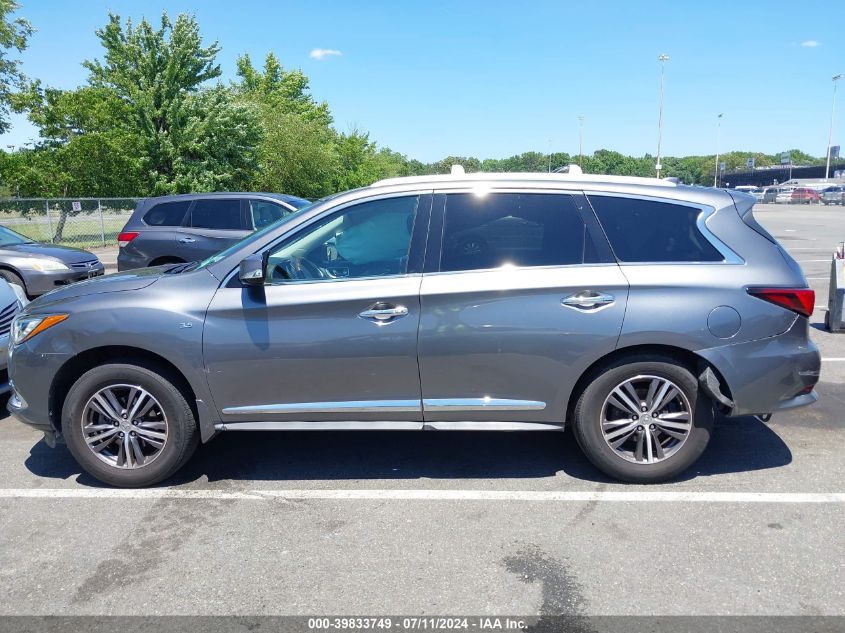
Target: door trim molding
pixel 481 404
pixel 391 406
pixel 349 406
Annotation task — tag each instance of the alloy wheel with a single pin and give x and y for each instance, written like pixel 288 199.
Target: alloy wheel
pixel 646 419
pixel 124 426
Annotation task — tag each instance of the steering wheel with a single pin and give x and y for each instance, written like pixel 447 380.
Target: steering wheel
pixel 297 268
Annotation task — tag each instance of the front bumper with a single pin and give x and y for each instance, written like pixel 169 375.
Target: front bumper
pixel 38 282
pixel 771 374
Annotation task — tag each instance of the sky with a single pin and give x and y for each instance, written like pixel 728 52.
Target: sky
pixel 491 79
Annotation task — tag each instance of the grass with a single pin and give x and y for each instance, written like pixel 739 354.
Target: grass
pixel 80 231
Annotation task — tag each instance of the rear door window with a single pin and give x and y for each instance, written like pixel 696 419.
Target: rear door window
pixel 264 212
pixel 652 231
pixel 220 214
pixel 499 229
pixel 167 213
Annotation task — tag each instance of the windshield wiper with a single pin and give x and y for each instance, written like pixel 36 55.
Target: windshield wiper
pixel 181 268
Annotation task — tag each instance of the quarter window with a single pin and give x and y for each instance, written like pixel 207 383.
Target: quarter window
pixel 370 239
pixel 498 229
pixel 217 214
pixel 167 213
pixel 650 231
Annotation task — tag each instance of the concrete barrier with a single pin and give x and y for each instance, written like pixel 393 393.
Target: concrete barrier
pixel 835 319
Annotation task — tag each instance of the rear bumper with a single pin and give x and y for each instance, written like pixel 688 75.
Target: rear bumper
pixel 128 260
pixel 772 374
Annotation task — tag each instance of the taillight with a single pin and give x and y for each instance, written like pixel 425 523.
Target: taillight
pixel 124 238
pixel 800 300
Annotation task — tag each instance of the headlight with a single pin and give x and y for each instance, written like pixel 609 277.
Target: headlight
pixel 47 265
pixel 25 327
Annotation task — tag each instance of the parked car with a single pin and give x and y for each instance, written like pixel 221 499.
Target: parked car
pixel 186 228
pixel 758 193
pixel 805 195
pixel 784 195
pixel 12 299
pixel 770 195
pixel 39 268
pixel 617 307
pixel 833 195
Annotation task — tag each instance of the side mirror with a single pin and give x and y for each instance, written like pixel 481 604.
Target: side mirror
pixel 252 270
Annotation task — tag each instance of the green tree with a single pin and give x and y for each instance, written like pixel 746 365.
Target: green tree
pixel 14 34
pixel 190 138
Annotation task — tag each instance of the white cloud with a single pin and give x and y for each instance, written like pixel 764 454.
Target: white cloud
pixel 810 43
pixel 320 53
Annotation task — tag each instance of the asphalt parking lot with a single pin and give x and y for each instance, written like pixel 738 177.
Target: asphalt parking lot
pixel 449 523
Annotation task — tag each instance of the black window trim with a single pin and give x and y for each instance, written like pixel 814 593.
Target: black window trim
pixel 437 226
pixel 705 213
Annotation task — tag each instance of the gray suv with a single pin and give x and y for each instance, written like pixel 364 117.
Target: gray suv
pixel 186 228
pixel 632 309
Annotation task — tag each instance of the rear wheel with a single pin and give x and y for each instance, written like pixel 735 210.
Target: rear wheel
pixel 128 425
pixel 643 419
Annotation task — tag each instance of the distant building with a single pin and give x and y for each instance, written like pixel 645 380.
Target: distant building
pixel 777 174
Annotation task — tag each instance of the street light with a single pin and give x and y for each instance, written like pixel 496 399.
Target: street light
pixel 662 59
pixel 830 131
pixel 718 130
pixel 581 141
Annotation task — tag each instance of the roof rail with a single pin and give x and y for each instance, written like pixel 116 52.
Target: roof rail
pixel 573 173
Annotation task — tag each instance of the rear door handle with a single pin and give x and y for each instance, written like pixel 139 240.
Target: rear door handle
pixel 381 313
pixel 187 240
pixel 588 300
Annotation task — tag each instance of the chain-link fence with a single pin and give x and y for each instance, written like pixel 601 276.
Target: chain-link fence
pixel 82 222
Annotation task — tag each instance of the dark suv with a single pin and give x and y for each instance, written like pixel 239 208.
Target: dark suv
pixel 185 228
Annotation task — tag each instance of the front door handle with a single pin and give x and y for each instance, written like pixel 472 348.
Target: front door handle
pixel 382 313
pixel 187 240
pixel 588 300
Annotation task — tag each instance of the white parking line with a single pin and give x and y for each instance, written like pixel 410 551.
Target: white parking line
pixel 425 495
pixel 833 360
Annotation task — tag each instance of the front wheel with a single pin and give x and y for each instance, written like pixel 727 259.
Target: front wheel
pixel 643 420
pixel 128 425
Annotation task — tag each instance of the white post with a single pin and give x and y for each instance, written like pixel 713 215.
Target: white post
pixel 49 223
pixel 830 131
pixel 102 224
pixel 581 141
pixel 718 130
pixel 662 59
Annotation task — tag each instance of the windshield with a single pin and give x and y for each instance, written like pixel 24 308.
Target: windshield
pixel 8 237
pixel 254 237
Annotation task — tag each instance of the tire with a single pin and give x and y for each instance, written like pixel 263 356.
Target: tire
pixel 679 455
pixel 179 437
pixel 13 278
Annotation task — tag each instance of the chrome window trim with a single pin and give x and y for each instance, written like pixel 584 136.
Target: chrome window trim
pixel 510 269
pixel 481 404
pixel 705 213
pixel 349 406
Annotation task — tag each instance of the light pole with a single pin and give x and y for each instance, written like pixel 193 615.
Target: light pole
pixel 830 131
pixel 663 58
pixel 581 141
pixel 718 130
